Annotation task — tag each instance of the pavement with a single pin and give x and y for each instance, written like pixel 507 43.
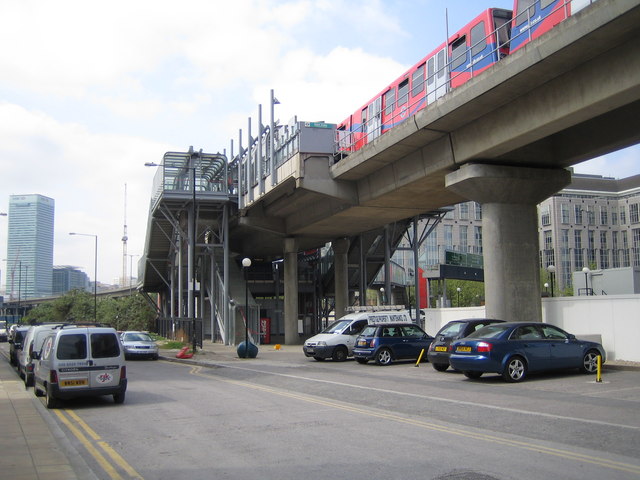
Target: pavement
pixel 33 447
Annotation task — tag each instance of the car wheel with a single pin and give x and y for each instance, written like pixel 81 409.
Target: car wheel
pixel 441 367
pixel 516 370
pixel 318 359
pixel 590 362
pixel 340 354
pixel 50 400
pixel 362 360
pixel 118 398
pixel 383 357
pixel 472 375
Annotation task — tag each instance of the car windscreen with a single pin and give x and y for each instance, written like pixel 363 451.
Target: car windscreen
pixel 336 327
pixel 490 331
pixel 136 337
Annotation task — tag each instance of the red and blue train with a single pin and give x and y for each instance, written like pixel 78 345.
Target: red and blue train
pixel 481 43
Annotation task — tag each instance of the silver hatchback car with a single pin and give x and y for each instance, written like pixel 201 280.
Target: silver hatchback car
pixel 138 345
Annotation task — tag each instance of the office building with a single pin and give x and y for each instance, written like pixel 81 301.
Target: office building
pixel 67 278
pixel 29 270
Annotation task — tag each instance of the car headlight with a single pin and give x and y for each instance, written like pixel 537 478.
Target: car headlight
pixel 322 343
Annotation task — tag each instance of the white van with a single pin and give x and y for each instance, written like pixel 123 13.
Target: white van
pixel 80 361
pixel 338 339
pixel 32 343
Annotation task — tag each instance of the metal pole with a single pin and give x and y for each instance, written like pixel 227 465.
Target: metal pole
pixel 193 254
pixel 95 281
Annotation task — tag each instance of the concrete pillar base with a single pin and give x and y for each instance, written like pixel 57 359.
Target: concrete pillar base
pixel 291 336
pixel 341 273
pixel 509 198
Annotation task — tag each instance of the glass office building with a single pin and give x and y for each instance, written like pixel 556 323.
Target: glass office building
pixel 29 268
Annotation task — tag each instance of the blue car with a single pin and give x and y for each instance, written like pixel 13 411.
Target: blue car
pixel 386 342
pixel 514 349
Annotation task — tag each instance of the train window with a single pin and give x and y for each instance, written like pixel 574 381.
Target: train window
pixel 364 119
pixel 389 101
pixel 522 15
pixel 441 62
pixel 503 28
pixel 403 92
pixel 478 39
pixel 417 81
pixel 459 52
pixel 431 70
pixel 546 3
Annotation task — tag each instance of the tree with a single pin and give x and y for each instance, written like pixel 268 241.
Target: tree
pixel 125 313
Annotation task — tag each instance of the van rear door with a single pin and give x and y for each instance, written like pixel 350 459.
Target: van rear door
pixel 106 358
pixel 71 359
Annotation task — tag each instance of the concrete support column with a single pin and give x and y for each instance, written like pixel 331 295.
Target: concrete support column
pixel 291 336
pixel 509 198
pixel 341 275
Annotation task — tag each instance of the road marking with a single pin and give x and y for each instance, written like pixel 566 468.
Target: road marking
pixel 442 399
pixel 603 462
pixel 93 451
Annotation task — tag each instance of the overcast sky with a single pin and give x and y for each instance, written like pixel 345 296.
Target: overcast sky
pixel 91 91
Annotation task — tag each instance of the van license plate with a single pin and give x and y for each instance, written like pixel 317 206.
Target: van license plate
pixel 79 382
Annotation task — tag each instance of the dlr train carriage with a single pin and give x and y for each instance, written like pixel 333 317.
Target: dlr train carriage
pixel 481 43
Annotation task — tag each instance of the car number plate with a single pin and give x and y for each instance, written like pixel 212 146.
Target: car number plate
pixel 441 349
pixel 78 382
pixel 362 343
pixel 463 349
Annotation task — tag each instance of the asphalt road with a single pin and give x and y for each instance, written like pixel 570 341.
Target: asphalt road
pixel 301 419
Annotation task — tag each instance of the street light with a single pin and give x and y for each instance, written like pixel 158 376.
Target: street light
pixel 382 295
pixel 458 290
pixel 95 273
pixel 552 270
pixel 546 287
pixel 586 272
pixel 246 263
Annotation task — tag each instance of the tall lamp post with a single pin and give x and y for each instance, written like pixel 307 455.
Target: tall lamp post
pixel 458 290
pixel 552 271
pixel 382 295
pixel 246 263
pixel 95 273
pixel 586 271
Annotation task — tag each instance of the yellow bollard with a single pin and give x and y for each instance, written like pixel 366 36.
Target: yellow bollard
pixel 277 346
pixel 419 358
pixel 599 371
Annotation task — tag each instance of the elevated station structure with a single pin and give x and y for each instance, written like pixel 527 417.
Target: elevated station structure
pixel 503 139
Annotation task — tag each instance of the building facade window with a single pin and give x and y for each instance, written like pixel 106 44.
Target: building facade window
pixel 623 215
pixel 635 235
pixel 634 216
pixel 464 241
pixel 477 233
pixel 577 209
pixel 625 249
pixel 577 250
pixel 478 210
pixel 464 211
pixel 604 251
pixel 604 215
pixel 545 216
pixel 614 246
pixel 564 213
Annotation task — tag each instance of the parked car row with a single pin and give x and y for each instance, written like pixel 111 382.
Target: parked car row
pixel 62 361
pixel 472 346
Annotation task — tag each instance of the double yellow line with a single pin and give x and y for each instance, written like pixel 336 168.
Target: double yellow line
pixel 97 448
